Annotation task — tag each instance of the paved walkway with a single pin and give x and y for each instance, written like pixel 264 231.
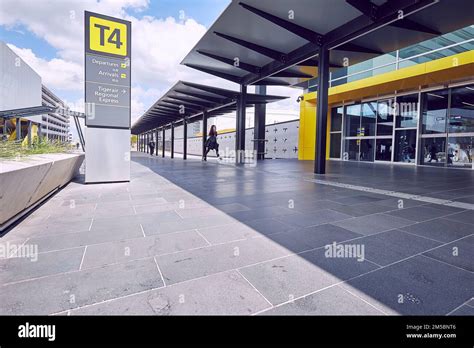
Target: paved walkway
pixel 186 237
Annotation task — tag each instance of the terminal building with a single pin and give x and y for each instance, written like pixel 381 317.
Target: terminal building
pixel 22 91
pixel 414 106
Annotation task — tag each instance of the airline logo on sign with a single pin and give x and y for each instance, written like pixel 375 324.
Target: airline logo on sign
pixel 107 36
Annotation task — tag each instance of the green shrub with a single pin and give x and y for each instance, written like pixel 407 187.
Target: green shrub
pixel 14 149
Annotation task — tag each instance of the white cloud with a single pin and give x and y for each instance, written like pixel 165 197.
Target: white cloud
pixel 57 74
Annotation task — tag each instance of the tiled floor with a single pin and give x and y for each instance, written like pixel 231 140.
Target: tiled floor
pixel 187 237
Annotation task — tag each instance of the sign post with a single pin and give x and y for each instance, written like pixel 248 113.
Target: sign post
pixel 107 98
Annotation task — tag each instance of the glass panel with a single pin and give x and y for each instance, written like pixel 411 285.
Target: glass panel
pixel 383 150
pixel 369 115
pixel 336 119
pixel 385 117
pixel 407 111
pixel 351 150
pixel 366 150
pixel 461 119
pixel 434 111
pixel 335 146
pixel 434 151
pixel 405 146
pixel 352 123
pixel 460 151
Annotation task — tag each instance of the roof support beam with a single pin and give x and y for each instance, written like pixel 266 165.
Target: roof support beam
pixel 296 29
pixel 201 96
pixel 230 77
pixel 191 101
pixel 254 47
pixel 372 11
pixel 236 62
pixel 219 91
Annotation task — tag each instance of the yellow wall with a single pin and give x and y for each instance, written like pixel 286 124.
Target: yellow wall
pixel 441 71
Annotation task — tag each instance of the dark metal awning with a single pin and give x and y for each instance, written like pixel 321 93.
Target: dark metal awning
pixel 276 42
pixel 25 112
pixel 190 100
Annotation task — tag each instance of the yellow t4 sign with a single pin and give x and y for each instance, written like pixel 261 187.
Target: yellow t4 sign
pixel 106 35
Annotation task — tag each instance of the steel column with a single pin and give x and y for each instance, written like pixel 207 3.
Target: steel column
pixel 156 136
pixel 172 140
pixel 259 125
pixel 204 132
pixel 29 132
pixel 185 138
pixel 18 128
pixel 163 142
pixel 240 125
pixel 322 111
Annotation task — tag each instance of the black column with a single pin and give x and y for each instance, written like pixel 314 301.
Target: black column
pixel 322 111
pixel 185 138
pixel 240 125
pixel 147 140
pixel 259 125
pixel 172 140
pixel 156 144
pixel 163 142
pixel 204 132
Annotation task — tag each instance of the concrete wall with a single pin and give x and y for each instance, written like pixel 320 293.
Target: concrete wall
pixel 20 85
pixel 23 183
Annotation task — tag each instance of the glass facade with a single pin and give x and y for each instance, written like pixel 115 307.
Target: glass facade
pixel 410 129
pixel 446 45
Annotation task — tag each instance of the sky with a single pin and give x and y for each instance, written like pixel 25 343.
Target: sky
pixel 49 36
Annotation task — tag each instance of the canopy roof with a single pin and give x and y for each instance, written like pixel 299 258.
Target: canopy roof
pixel 190 100
pixel 275 42
pixel 29 111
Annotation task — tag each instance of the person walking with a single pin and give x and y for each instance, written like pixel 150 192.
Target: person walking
pixel 151 144
pixel 211 143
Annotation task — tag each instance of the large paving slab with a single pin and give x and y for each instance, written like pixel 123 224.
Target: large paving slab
pixel 224 293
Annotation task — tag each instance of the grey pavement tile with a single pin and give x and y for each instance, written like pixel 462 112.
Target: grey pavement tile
pixel 445 208
pixel 332 301
pixel 311 205
pixel 191 264
pixel 341 267
pixel 50 228
pixel 465 216
pixel 227 233
pixel 262 212
pixel 441 229
pixel 312 237
pixel 268 226
pixel 39 265
pixel 232 207
pixel 155 207
pixel 66 291
pixel 371 224
pixel 112 208
pixel 399 203
pixel 359 199
pixel 315 218
pixel 463 311
pixel 417 286
pixel 119 223
pixel 419 214
pixel 287 278
pixel 77 239
pixel 459 253
pixel 225 293
pixel 137 248
pixel 160 227
pixel 199 213
pixel 362 209
pixel 395 245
